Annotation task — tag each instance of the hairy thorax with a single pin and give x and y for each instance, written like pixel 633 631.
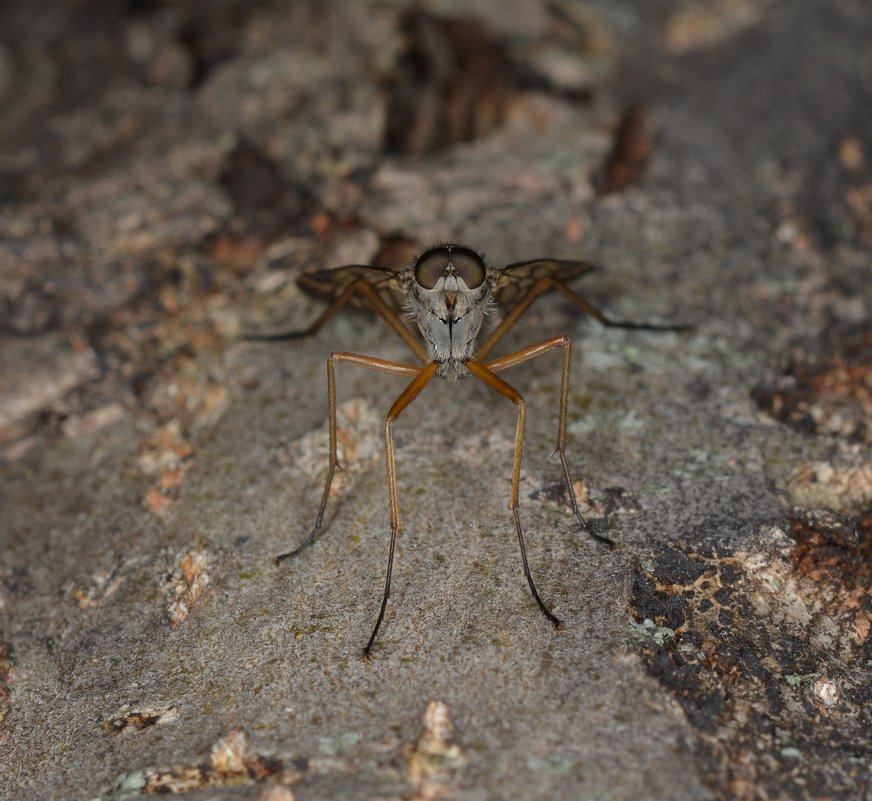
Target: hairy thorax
pixel 449 322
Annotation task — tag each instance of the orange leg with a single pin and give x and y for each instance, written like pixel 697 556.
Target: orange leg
pixel 409 394
pixel 382 366
pixel 362 288
pixel 491 379
pixel 531 352
pixel 540 288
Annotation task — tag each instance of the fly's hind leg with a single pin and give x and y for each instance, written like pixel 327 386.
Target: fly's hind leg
pixel 539 288
pixel 364 290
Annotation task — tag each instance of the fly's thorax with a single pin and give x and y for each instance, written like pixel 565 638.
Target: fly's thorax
pixel 449 320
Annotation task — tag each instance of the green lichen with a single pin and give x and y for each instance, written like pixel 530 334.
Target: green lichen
pixel 649 631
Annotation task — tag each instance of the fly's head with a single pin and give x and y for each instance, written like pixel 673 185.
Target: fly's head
pixel 449 291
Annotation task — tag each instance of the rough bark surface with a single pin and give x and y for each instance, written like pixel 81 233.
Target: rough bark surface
pixel 167 170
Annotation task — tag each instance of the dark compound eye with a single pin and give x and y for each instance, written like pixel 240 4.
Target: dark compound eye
pixel 430 266
pixel 469 266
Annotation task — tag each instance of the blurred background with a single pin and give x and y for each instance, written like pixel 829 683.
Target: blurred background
pixel 167 168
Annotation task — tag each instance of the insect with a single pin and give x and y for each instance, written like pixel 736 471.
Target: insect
pixel 448 289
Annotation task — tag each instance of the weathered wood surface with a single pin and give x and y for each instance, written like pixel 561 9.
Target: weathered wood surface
pixel 167 170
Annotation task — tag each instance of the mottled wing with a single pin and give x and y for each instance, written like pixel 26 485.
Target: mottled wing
pixel 328 285
pixel 515 280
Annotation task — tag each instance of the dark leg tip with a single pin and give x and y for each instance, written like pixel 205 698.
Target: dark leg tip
pixel 299 549
pixel 277 337
pixel 283 557
pixel 611 544
pixel 555 621
pixel 595 535
pixel 558 625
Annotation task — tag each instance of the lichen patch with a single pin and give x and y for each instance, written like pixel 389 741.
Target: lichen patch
pixel 767 651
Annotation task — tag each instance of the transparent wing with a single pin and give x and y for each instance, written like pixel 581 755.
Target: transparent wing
pixel 515 280
pixel 328 285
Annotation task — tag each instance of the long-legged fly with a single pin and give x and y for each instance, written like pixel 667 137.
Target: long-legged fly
pixel 448 289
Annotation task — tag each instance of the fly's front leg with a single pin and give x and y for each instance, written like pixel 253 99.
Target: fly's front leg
pixel 486 376
pixel 382 366
pixel 563 342
pixel 411 392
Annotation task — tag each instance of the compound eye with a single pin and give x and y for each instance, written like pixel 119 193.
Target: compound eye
pixel 430 266
pixel 469 266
